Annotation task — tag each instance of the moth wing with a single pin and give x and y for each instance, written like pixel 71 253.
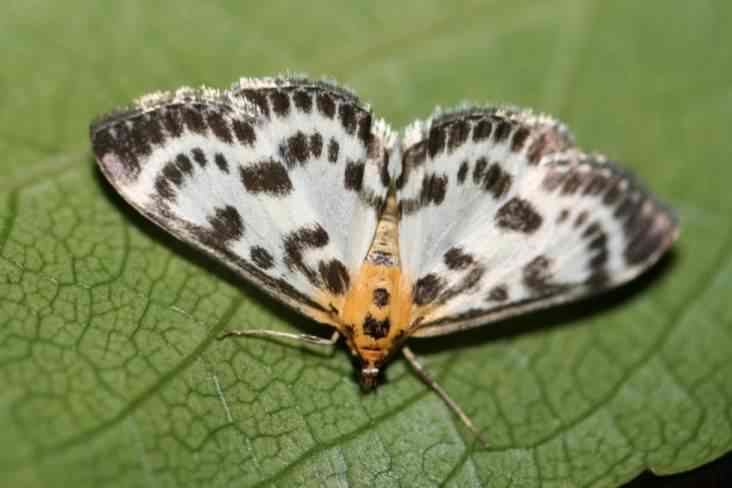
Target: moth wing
pixel 282 179
pixel 501 214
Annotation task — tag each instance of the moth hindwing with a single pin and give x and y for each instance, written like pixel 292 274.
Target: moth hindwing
pixel 473 216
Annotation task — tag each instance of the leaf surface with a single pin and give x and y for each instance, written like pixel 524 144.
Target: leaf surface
pixel 111 374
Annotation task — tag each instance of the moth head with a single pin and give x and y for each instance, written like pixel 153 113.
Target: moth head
pixel 369 377
pixel 372 359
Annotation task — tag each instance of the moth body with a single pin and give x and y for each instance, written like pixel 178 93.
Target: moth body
pixel 376 312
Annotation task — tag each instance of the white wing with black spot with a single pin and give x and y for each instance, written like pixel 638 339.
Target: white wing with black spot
pixel 280 178
pixel 501 214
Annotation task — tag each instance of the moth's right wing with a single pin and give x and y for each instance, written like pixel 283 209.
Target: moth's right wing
pixel 282 179
pixel 502 214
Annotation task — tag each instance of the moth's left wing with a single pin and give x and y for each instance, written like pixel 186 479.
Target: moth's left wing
pixel 501 214
pixel 281 179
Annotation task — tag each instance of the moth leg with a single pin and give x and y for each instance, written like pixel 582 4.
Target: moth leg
pixel 424 376
pixel 310 339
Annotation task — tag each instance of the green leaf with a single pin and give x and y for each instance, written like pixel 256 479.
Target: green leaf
pixel 109 369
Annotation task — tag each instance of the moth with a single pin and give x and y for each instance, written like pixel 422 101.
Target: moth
pixel 469 217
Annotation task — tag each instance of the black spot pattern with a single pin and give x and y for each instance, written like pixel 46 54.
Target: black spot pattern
pixel 518 215
pixel 316 144
pixel 482 130
pixel 467 284
pixel 303 101
pixel 376 328
pixel 401 179
pixel 436 141
pixel 163 188
pixel 563 215
pixel 280 103
pixel 462 172
pixel 646 227
pixel 259 99
pixel 597 247
pixel 644 245
pixel 123 145
pixel 573 182
pixel 173 174
pixel 613 192
pixel 193 119
pixel 218 126
pixel 333 150
pixel 519 139
pixel 364 130
pixel 183 163
pixel 537 277
pixel 384 175
pixel 294 149
pixel 591 230
pixel 537 149
pixel 457 259
pixel 347 114
pixel 479 170
pixel 300 148
pixel 149 128
pixel 244 132
pixel 326 105
pixel 596 185
pixel 434 188
pixel 199 157
pixel 581 218
pixel 268 176
pixel 503 128
pixel 221 162
pixel 427 288
pixel 494 180
pixel 172 122
pixel 297 242
pixel 381 297
pixel 498 293
pixel 139 139
pixel 261 257
pixel 105 142
pixel 353 175
pixel 433 191
pixel 335 276
pixel 627 207
pixel 458 134
pixel 226 224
